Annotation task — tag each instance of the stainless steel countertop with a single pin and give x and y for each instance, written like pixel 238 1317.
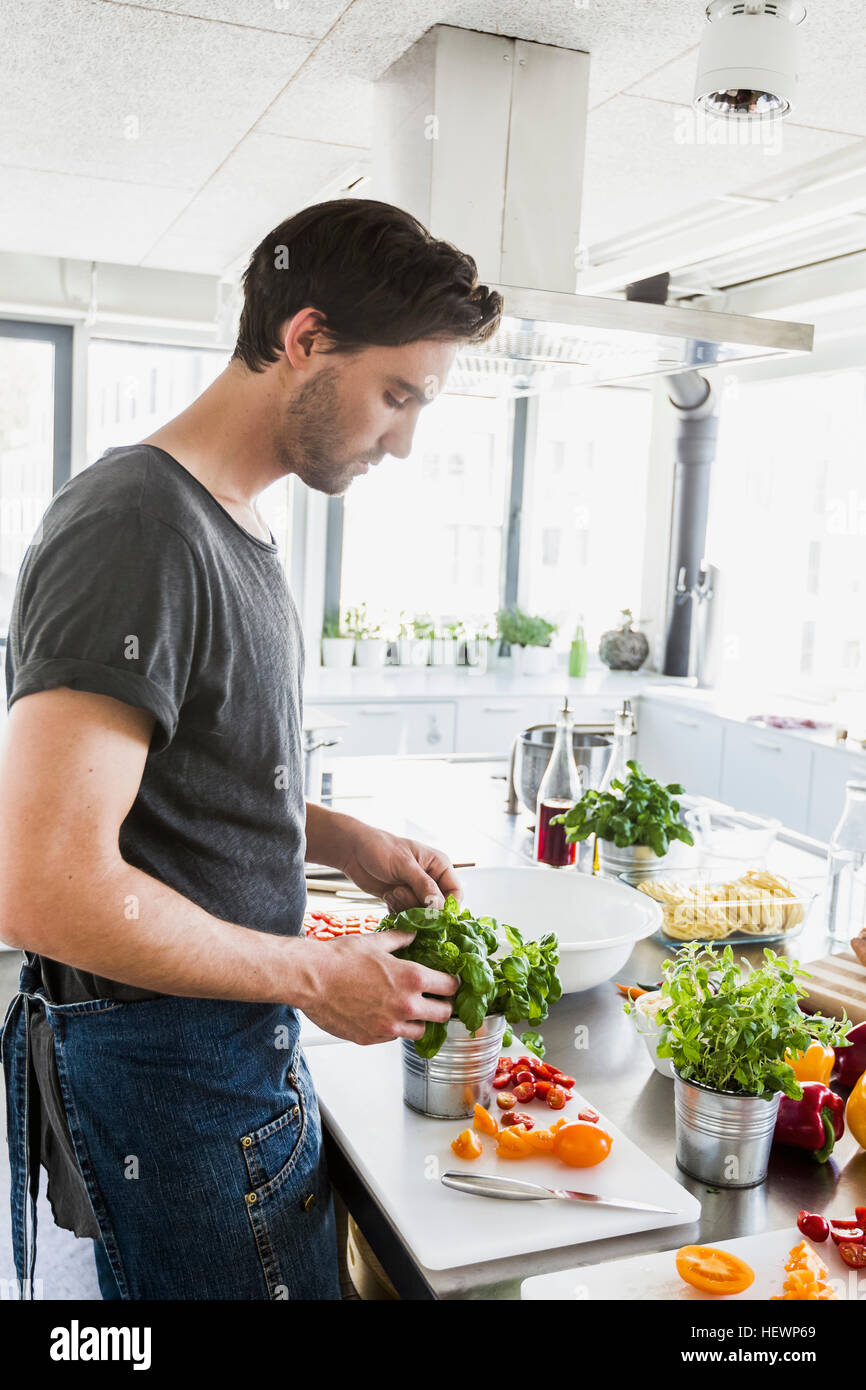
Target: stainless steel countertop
pixel 461 808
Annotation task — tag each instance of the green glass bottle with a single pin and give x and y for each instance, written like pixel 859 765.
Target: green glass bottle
pixel 577 657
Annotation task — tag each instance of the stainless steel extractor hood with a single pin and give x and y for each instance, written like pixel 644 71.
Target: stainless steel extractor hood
pixel 482 138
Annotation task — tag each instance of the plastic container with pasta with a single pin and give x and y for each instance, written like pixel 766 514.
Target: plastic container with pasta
pixel 726 905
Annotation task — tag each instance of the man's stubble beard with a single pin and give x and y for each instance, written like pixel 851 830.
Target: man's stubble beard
pixel 311 441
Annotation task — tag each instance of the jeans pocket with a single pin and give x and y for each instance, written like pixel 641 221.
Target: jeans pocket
pixel 271 1151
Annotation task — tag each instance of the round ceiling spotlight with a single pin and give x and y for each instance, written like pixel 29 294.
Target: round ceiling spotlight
pixel 749 62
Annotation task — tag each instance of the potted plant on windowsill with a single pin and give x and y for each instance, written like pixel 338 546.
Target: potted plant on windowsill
pixel 370 645
pixel 337 647
pixel 413 640
pixel 446 644
pixel 633 821
pixel 529 639
pixel 729 1035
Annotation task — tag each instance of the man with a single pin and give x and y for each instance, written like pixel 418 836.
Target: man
pixel 152 824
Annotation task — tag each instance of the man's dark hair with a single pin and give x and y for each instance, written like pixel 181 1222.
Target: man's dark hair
pixel 372 270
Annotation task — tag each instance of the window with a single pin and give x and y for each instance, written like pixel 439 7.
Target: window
pixel 35 430
pixel 788 532
pixel 582 539
pixel 425 534
pixel 147 384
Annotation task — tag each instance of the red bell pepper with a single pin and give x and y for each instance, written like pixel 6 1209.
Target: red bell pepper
pixel 851 1060
pixel 814 1123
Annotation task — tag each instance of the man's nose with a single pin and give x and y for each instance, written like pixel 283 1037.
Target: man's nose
pixel 397 440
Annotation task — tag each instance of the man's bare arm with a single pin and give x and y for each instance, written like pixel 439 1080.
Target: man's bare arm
pixel 70 770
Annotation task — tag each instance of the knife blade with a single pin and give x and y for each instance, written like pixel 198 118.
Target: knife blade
pixel 516 1190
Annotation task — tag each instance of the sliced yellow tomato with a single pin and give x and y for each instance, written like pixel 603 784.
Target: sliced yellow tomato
pixel 484 1122
pixel 467 1145
pixel 512 1145
pixel 713 1271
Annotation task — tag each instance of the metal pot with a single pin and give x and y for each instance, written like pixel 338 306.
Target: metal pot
pixel 532 754
pixel 460 1076
pixel 723 1138
pixel 631 859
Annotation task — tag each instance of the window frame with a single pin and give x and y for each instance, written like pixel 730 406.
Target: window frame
pixel 60 335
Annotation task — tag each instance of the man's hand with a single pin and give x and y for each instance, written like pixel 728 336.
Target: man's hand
pixel 361 993
pixel 402 872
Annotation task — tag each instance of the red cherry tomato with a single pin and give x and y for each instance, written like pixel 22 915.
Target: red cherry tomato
pixel 588 1114
pixel 523 1062
pixel 542 1089
pixel 504 1064
pixel 567 1082
pixel 813 1226
pixel 845 1225
pixel 853 1255
pixel 505 1100
pixel 517 1117
pixel 556 1097
pixel 501 1080
pixel 524 1092
pixel 860 1214
pixel 524 1074
pixel 852 1237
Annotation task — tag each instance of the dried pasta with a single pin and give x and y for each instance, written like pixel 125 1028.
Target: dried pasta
pixel 757 903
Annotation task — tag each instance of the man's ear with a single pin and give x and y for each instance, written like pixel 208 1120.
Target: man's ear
pixel 302 335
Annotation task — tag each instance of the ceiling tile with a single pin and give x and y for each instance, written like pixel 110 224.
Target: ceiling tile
pixel 267 178
pixel 91 219
pixel 126 93
pixel 310 18
pixel 316 106
pixel 645 161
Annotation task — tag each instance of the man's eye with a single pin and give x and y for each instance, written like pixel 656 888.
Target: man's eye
pixel 393 402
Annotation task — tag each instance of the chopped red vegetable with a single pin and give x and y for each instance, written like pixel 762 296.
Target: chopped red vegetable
pixel 556 1098
pixel 505 1100
pixel 854 1255
pixel 813 1226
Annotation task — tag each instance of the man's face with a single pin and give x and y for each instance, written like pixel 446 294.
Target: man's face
pixel 356 407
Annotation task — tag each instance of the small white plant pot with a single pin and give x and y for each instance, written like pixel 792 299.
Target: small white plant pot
pixel 533 661
pixel 337 652
pixel 414 651
pixel 370 653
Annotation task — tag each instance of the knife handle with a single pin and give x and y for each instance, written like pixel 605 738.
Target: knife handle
pixel 488 1185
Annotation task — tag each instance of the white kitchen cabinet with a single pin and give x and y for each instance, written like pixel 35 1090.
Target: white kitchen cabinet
pixel 677 744
pixel 490 724
pixel 831 769
pixel 767 772
pixel 378 728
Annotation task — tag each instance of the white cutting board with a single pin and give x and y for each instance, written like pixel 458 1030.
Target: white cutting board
pixel 401 1155
pixel 655 1277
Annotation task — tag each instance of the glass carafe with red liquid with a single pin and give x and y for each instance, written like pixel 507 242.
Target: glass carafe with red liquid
pixel 561 786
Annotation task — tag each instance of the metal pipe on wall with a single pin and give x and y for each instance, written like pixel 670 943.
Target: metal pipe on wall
pixel 693 398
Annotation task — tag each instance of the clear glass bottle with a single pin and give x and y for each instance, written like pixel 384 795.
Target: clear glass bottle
pixel 561 786
pixel 616 770
pixel 846 868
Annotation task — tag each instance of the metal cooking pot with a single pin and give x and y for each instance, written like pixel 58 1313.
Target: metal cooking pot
pixel 532 750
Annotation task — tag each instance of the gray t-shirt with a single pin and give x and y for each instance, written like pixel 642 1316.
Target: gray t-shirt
pixel 142 587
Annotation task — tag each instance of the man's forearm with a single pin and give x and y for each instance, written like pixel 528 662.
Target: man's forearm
pixel 114 920
pixel 329 834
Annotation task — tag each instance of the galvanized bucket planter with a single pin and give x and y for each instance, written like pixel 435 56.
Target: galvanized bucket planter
pixel 630 859
pixel 460 1076
pixel 723 1138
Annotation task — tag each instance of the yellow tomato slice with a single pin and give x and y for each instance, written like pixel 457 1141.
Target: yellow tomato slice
pixel 713 1271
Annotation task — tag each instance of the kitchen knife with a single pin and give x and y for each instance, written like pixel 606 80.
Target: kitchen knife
pixel 515 1190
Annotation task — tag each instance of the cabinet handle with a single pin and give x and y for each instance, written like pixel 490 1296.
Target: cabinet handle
pixel 501 709
pixel 765 743
pixel 376 709
pixel 688 723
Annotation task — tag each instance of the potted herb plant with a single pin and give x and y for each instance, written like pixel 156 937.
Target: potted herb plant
pixel 413 640
pixel 728 1034
pixel 529 638
pixel 370 645
pixel 634 821
pixel 451 1068
pixel 445 647
pixel 478 649
pixel 338 648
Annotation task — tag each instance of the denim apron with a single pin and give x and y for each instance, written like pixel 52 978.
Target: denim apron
pixel 196 1130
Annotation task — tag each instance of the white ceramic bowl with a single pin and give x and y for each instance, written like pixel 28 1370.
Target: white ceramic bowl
pixel 597 920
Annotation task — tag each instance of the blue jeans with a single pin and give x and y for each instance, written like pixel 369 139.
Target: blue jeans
pixel 196 1128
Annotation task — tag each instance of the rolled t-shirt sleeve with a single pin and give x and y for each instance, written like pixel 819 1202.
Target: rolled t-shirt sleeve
pixel 113 604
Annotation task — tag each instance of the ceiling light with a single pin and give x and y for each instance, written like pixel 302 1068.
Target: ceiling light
pixel 750 58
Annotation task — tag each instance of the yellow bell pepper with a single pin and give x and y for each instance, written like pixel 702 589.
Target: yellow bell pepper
pixel 855 1112
pixel 815 1064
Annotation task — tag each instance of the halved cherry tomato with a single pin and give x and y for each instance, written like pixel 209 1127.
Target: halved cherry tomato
pixel 511 1117
pixel 502 1080
pixel 582 1145
pixel 541 1140
pixel 525 1092
pixel 853 1254
pixel 852 1237
pixel 484 1122
pixel 713 1271
pixel 466 1145
pixel 520 1118
pixel 813 1226
pixel 860 1216
pixel 539 1070
pixel 542 1089
pixel 566 1082
pixel 512 1145
pixel 523 1062
pixel 556 1098
pixel 524 1074
pixel 504 1064
pixel 505 1100
pixel 845 1225
pixel 588 1114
